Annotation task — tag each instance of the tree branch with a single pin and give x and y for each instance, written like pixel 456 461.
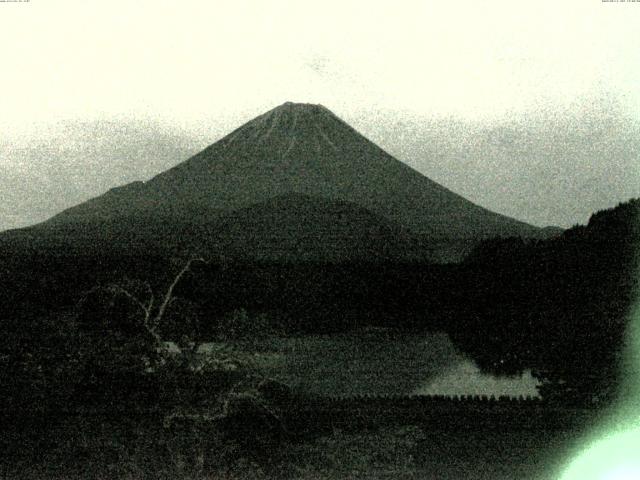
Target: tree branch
pixel 118 289
pixel 151 329
pixel 169 295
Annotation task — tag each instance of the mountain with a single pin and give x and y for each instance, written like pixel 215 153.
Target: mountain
pixel 313 162
pixel 310 228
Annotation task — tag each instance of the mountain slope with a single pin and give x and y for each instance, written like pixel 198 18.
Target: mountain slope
pixel 293 227
pixel 309 228
pixel 304 149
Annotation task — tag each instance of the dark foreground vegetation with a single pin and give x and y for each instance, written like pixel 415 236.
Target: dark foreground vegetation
pixel 91 390
pixel 315 440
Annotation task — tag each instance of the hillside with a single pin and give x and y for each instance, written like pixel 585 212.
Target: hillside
pixel 561 307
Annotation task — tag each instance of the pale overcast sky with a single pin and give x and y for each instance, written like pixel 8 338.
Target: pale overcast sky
pixel 531 109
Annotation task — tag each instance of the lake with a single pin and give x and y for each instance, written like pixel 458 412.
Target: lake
pixel 380 362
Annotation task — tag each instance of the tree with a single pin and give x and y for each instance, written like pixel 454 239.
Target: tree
pixel 152 311
pixel 122 345
pixel 129 361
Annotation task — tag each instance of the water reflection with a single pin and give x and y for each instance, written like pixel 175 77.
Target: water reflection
pixel 378 362
pixel 465 378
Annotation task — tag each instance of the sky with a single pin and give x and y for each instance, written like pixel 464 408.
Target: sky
pixel 530 109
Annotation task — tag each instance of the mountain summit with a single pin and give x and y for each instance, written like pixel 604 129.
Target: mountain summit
pixel 302 149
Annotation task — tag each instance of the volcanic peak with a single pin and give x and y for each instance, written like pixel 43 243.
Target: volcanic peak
pixel 301 148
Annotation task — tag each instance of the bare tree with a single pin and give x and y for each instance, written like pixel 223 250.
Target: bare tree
pixel 152 308
pixel 239 397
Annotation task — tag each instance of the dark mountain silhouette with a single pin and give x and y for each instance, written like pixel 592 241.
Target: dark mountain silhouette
pixel 292 174
pixel 293 227
pixel 311 228
pixel 305 149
